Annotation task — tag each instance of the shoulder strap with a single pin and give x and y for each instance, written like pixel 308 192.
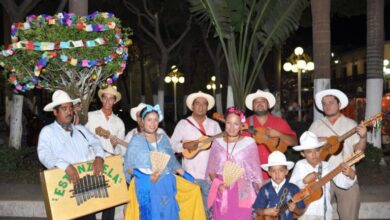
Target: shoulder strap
pixel 202 132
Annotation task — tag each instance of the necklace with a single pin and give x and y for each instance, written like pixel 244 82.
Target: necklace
pixel 230 156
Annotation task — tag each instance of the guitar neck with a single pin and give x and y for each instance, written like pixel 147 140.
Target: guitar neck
pixel 354 130
pixel 347 134
pixel 120 141
pixel 211 138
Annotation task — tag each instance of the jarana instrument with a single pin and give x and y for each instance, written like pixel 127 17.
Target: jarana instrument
pixel 260 135
pixel 107 135
pixel 203 143
pixel 333 144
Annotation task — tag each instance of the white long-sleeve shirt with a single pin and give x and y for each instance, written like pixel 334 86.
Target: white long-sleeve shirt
pixel 302 169
pixel 58 148
pixel 184 131
pixel 113 124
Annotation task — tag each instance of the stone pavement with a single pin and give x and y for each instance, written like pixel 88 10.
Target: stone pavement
pixel 25 201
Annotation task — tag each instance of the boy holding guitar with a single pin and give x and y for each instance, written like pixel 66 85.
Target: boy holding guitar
pixel 312 168
pixel 274 197
pixel 260 103
pixel 331 102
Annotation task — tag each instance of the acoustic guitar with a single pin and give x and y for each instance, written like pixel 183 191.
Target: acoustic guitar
pixel 203 143
pixel 313 191
pixel 333 144
pixel 107 135
pixel 260 135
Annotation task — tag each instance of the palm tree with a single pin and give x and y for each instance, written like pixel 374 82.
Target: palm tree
pixel 241 26
pixel 375 42
pixel 320 11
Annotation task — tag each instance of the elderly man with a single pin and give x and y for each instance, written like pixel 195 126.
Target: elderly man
pixel 260 103
pixel 62 144
pixel 192 128
pixel 331 102
pixel 106 119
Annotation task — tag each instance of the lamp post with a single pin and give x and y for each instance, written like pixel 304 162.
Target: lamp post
pixel 174 76
pixel 299 62
pixel 211 85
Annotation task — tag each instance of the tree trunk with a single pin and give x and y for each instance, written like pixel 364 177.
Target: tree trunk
pixel 375 53
pixel 78 7
pixel 320 11
pixel 162 73
pixel 16 128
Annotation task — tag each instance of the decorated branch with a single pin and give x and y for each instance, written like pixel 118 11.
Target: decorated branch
pixel 57 52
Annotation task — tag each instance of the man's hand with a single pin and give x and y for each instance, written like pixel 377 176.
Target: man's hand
pixel 72 174
pixel 114 142
pixel 271 211
pixel 348 171
pixel 97 165
pixel 311 177
pixel 362 130
pixel 273 133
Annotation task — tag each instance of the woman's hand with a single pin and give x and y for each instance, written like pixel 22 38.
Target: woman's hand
pixel 222 187
pixel 180 171
pixel 154 176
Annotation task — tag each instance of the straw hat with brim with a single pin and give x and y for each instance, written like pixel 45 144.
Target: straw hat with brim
pixel 259 94
pixel 112 91
pixel 191 98
pixel 59 97
pixel 133 111
pixel 277 158
pixel 308 140
pixel 334 92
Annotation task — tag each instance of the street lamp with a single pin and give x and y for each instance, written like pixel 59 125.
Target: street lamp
pixel 174 76
pixel 211 85
pixel 299 62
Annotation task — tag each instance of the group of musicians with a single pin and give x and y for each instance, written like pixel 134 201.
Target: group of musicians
pixel 198 187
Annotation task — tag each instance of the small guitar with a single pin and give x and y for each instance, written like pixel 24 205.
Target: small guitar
pixel 203 143
pixel 313 191
pixel 281 206
pixel 260 135
pixel 107 135
pixel 333 143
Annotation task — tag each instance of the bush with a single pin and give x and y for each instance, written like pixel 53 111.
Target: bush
pixel 12 160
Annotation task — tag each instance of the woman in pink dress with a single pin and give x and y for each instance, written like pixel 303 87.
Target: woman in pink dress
pixel 234 201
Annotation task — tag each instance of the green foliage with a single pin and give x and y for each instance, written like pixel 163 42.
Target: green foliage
pixel 373 156
pixel 12 160
pixel 247 31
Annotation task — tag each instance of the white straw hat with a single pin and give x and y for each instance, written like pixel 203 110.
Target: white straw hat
pixel 308 140
pixel 59 97
pixel 138 108
pixel 112 91
pixel 191 98
pixel 334 92
pixel 259 93
pixel 277 158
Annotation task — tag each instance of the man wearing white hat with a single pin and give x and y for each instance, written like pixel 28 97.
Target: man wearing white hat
pixel 311 168
pixel 192 128
pixel 106 119
pixel 269 196
pixel 62 144
pixel 135 115
pixel 260 103
pixel 331 102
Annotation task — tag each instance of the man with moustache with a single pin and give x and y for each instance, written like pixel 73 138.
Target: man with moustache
pixel 62 144
pixel 192 128
pixel 260 103
pixel 331 102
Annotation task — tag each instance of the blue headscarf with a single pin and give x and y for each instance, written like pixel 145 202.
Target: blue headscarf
pixel 148 109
